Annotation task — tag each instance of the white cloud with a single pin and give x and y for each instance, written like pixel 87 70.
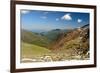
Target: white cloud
pixel 25 11
pixel 43 17
pixel 66 17
pixel 57 19
pixel 79 20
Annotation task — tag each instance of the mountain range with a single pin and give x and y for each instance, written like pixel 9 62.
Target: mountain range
pixel 67 41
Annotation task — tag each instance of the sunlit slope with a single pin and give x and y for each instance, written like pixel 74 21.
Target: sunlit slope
pixel 31 51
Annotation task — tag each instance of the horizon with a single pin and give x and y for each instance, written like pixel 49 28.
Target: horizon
pixel 49 20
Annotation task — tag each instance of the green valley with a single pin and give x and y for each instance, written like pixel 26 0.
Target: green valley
pixel 55 45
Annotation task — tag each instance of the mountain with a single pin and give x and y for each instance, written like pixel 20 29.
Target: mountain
pixel 85 26
pixel 33 38
pixel 42 39
pixel 54 34
pixel 76 41
pixel 58 39
pixel 58 44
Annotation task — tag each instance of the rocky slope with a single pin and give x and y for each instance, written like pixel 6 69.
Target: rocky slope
pixel 75 42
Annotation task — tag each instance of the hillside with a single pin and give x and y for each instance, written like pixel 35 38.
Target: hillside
pixel 34 38
pixel 43 39
pixel 52 35
pixel 56 44
pixel 32 51
pixel 76 41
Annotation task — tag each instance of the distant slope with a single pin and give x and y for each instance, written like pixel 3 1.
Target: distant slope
pixel 31 50
pixel 43 39
pixel 54 34
pixel 33 38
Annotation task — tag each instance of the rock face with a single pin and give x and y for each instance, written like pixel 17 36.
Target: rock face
pixel 75 42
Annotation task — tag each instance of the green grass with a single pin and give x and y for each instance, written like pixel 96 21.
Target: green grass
pixel 31 51
pixel 34 38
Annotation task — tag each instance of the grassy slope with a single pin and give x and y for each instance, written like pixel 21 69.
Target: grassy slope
pixel 30 50
pixel 33 38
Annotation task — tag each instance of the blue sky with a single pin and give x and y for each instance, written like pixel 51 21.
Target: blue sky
pixel 49 20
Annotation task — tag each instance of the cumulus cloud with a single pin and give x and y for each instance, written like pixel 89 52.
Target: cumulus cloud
pixel 79 20
pixel 66 17
pixel 25 11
